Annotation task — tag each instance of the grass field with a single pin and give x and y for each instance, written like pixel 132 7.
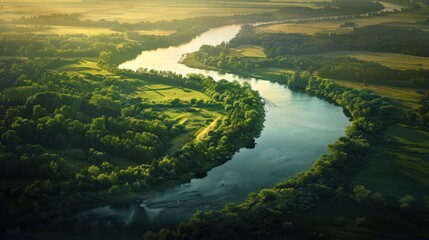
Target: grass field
pixel 305 28
pixel 155 32
pixel 248 51
pixel 84 66
pixel 162 93
pixel 392 60
pixel 407 98
pixel 76 30
pixel 401 97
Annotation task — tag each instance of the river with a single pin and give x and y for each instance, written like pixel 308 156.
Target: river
pixel 298 128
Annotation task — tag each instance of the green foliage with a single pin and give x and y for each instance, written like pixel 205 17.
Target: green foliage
pixel 291 51
pixel 71 137
pixel 406 201
pixel 267 210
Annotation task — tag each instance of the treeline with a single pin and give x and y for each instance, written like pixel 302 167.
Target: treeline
pixel 329 9
pixel 115 48
pixel 271 212
pixel 74 19
pixel 369 38
pixel 337 68
pixel 40 45
pixel 332 8
pixel 302 58
pixel 67 135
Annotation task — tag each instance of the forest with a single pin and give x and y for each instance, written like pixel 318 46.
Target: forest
pixel 54 119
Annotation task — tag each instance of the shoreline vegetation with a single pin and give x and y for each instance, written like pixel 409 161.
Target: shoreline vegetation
pixel 327 179
pixel 242 122
pixel 331 180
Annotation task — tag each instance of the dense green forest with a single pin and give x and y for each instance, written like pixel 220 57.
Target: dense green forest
pixel 68 138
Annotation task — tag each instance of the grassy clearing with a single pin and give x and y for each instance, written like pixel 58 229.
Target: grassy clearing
pixel 66 30
pixel 392 60
pixel 69 30
pixel 84 66
pixel 162 93
pixel 155 32
pixel 197 122
pixel 305 28
pixel 203 134
pixel 261 73
pixel 248 51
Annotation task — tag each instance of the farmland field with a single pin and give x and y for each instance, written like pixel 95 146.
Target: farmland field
pixel 248 51
pixel 392 60
pixel 405 19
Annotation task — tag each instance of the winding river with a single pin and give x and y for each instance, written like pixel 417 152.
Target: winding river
pixel 297 130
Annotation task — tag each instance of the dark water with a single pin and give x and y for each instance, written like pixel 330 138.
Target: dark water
pixel 297 130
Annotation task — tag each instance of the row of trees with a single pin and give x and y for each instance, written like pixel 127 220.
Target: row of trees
pixel 369 38
pixel 328 67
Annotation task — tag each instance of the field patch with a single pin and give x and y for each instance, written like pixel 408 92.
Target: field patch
pixel 155 32
pixel 66 30
pixel 197 122
pixel 161 93
pixel 248 51
pixel 401 97
pixel 84 66
pixel 305 28
pixel 392 60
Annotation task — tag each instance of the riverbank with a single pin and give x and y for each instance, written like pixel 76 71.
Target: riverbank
pixel 391 174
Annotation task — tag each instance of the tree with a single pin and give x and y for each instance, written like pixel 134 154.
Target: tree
pixel 11 139
pixel 361 194
pixel 38 111
pixel 405 201
pixel 60 141
pixel 93 170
